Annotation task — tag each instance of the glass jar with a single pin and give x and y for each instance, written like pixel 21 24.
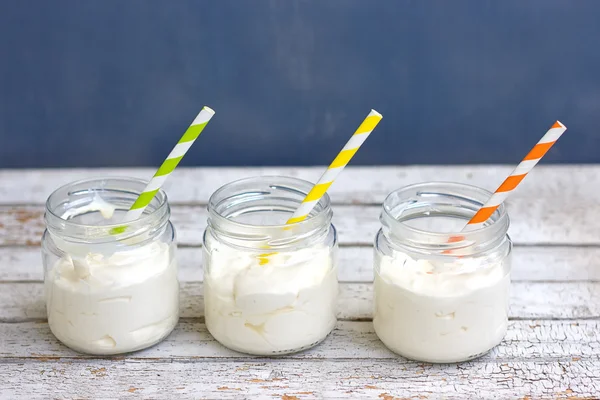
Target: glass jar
pixel 269 288
pixel 108 292
pixel 440 295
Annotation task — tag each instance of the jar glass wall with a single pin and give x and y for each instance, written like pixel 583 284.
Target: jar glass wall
pixel 269 288
pixel 109 290
pixel 440 295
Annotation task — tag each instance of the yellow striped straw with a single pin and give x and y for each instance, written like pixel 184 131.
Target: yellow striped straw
pixel 332 172
pixel 167 167
pixel 336 167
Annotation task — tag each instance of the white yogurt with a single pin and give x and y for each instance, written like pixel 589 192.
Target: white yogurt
pixel 283 306
pixel 444 313
pixel 125 302
pixel 109 300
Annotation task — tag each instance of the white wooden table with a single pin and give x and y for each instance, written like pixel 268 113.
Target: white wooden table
pixel 552 349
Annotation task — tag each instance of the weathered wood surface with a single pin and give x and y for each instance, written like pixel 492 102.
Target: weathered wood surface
pixel 542 211
pixel 300 379
pixel 525 340
pixel 543 300
pixel 564 300
pixel 357 185
pixel 547 221
pixel 552 349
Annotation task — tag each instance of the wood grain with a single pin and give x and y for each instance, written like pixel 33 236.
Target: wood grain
pixel 537 222
pixel 357 185
pixel 301 379
pixel 530 263
pixel 541 211
pixel 525 340
pixel 23 301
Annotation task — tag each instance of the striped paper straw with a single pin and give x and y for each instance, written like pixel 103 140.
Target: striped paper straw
pixel 509 185
pixel 167 167
pixel 336 167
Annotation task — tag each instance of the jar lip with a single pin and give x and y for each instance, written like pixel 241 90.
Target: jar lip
pixel 472 194
pixel 278 180
pixel 93 185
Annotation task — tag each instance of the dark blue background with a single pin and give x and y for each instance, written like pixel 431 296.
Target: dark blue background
pixel 115 83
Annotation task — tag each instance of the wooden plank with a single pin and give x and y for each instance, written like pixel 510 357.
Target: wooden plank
pixel 185 185
pixel 24 301
pixel 301 379
pixel 542 210
pixel 546 222
pixel 357 185
pixel 525 340
pixel 530 263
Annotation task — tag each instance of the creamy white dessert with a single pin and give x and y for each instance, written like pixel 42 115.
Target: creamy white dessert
pixel 116 304
pixel 104 299
pixel 440 313
pixel 285 305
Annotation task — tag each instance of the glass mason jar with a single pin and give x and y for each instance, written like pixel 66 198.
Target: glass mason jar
pixel 269 288
pixel 440 295
pixel 109 291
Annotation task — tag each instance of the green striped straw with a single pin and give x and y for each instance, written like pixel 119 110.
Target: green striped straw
pixel 167 167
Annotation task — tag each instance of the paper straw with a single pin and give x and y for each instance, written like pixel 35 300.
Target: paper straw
pixel 336 167
pixel 510 184
pixel 332 172
pixel 168 166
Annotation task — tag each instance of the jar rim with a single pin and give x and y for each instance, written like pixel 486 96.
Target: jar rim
pixel 263 194
pixel 496 226
pixel 324 202
pixel 155 216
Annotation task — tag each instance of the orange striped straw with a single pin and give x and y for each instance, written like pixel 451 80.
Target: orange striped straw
pixel 509 185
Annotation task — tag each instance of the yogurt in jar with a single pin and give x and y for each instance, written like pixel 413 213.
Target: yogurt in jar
pixel 447 312
pixel 281 306
pixel 108 298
